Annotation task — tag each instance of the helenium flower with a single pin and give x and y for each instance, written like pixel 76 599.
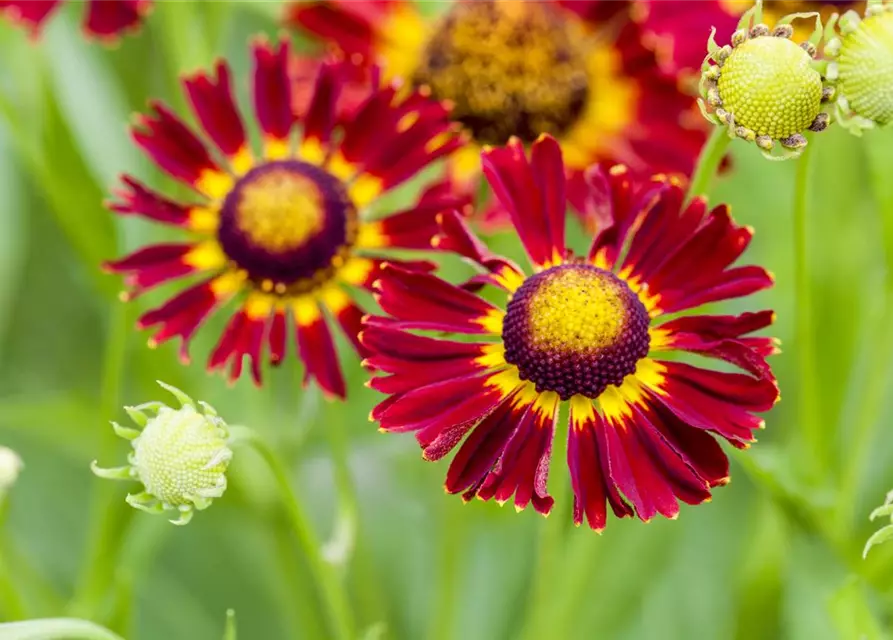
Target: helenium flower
pixel 861 66
pixel 179 455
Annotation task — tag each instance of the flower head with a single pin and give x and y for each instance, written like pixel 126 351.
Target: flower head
pixel 104 19
pixel 179 455
pixel 10 467
pixel 588 331
pixel 288 232
pixel 576 70
pixel 763 87
pixel 862 67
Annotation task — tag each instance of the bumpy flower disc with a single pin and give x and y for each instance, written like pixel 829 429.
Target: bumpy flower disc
pixel 770 87
pixel 764 88
pixel 180 456
pixel 863 68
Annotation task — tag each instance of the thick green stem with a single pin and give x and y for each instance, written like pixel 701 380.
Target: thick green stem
pixel 808 407
pixel 342 543
pixel 56 629
pixel 331 589
pixel 550 562
pixel 11 602
pixel 868 417
pixel 108 519
pixel 709 160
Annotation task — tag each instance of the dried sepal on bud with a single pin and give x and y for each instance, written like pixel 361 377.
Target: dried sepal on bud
pixel 860 50
pixel 179 455
pixel 763 87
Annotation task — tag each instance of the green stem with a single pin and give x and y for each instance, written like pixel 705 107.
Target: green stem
pixel 869 416
pixel 806 348
pixel 108 520
pixel 342 543
pixel 56 629
pixel 709 160
pixel 543 597
pixel 11 600
pixel 331 589
pixel 452 544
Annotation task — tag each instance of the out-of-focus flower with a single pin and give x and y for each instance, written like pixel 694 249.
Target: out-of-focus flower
pixel 577 70
pixel 585 330
pixel 10 467
pixel 105 20
pixel 677 29
pixel 764 88
pixel 179 455
pixel 290 231
pixel 862 67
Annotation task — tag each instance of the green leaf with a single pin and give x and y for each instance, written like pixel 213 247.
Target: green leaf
pixel 851 614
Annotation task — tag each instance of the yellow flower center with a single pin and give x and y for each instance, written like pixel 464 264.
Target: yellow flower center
pixel 575 329
pixel 866 68
pixel 510 68
pixel 279 210
pixel 287 225
pixel 576 310
pixel 770 87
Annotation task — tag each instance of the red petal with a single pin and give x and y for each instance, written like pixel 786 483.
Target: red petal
pixel 272 89
pixel 320 357
pixel 214 105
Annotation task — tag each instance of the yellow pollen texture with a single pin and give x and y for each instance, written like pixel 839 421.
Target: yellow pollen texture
pixel 279 210
pixel 510 68
pixel 576 310
pixel 770 87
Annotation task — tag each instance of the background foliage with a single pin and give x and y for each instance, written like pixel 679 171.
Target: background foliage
pixel 775 555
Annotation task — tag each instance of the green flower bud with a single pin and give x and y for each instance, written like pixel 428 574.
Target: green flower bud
pixel 180 456
pixel 765 88
pixel 10 467
pixel 862 67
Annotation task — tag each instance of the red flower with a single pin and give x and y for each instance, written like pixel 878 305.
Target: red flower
pixel 577 70
pixel 589 331
pixel 105 19
pixel 288 231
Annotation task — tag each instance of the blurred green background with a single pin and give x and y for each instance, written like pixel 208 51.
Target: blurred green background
pixel 777 554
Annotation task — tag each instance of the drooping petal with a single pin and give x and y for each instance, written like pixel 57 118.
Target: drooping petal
pixel 317 348
pixel 243 336
pixel 588 465
pixel 723 403
pixel 523 467
pixel 184 313
pixel 480 451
